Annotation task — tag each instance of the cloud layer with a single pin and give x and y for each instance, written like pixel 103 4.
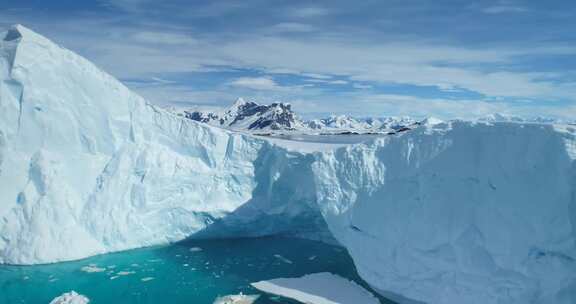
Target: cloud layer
pixel 373 58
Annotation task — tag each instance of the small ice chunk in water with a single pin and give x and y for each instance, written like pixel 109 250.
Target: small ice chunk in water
pixel 125 273
pixel 92 268
pixel 283 259
pixel 195 249
pixel 71 297
pixel 237 299
pixel 146 279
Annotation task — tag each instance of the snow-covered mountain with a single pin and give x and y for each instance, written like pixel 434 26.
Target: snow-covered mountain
pixel 499 117
pixel 280 118
pixel 346 124
pixel 250 116
pixel 451 212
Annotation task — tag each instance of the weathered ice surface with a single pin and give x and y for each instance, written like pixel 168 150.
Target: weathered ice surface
pixel 458 212
pixel 89 167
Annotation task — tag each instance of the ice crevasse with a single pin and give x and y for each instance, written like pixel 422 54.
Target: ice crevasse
pixel 456 212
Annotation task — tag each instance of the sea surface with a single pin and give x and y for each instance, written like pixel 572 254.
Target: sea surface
pixel 188 272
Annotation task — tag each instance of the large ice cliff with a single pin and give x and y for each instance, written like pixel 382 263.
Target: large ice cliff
pixel 89 167
pixel 458 212
pixel 447 213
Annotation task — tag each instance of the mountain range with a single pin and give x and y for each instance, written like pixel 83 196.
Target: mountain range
pixel 279 117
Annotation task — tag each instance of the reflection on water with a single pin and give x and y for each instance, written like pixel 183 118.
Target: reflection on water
pixel 188 272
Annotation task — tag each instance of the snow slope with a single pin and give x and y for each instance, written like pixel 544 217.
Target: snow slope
pixel 249 116
pixel 458 212
pixel 453 212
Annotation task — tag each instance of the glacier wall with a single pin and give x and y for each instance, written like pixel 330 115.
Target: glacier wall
pixel 89 167
pixel 448 213
pixel 458 212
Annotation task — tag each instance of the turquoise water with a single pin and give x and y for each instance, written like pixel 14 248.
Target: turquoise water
pixel 188 272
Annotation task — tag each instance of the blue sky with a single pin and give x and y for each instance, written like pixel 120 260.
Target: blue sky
pixel 371 58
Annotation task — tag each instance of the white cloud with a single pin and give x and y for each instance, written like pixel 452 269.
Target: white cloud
pixel 308 12
pixel 361 86
pixel 402 105
pixel 383 63
pixel 402 63
pixel 255 83
pixel 146 51
pixel 162 80
pixel 501 9
pixel 338 82
pixel 127 5
pixel 292 27
pixel 184 96
pixel 130 53
pixel 327 81
pixel 163 38
pixel 504 7
pixel 318 76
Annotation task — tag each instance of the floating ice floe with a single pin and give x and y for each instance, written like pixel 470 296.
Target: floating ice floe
pixel 237 299
pixel 318 288
pixel 155 260
pixel 283 259
pixel 71 297
pixel 92 268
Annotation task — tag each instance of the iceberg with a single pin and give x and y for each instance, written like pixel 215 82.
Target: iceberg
pixel 449 212
pixel 89 167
